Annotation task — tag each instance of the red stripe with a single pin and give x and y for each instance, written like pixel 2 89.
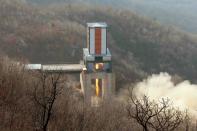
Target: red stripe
pixel 98 41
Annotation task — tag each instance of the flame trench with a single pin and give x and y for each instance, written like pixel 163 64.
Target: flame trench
pixel 97 87
pixel 97 66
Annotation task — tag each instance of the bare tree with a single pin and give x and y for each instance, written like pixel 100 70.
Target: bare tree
pixel 141 111
pixel 160 116
pixel 167 119
pixel 187 121
pixel 13 101
pixel 45 93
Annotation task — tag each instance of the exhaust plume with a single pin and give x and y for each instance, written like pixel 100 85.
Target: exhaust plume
pixel 183 95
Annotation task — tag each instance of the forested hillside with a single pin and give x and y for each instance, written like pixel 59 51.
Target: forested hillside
pixel 34 100
pixel 57 34
pixel 180 13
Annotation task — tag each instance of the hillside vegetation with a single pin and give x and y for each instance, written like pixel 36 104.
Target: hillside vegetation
pixel 57 34
pixel 180 13
pixel 40 101
pixel 31 100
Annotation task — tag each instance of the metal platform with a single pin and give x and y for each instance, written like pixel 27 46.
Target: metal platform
pixel 53 68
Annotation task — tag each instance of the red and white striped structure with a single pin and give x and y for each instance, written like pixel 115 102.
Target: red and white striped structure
pixel 97 38
pixel 97 50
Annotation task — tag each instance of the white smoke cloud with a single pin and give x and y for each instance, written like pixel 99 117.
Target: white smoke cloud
pixel 183 95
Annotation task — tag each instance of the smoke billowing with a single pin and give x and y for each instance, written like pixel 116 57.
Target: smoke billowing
pixel 183 95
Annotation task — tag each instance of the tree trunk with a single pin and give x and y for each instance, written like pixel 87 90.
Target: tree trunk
pixel 145 128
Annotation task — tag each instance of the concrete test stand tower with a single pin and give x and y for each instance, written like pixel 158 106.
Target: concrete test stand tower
pixel 97 79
